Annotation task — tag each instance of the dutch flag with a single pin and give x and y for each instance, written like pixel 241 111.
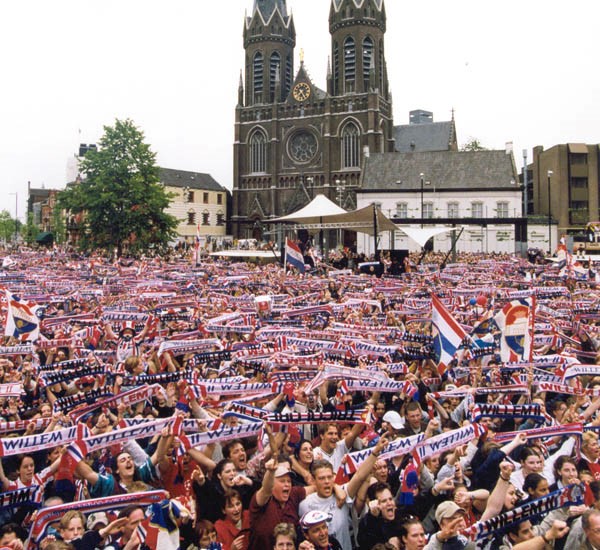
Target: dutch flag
pixel 293 255
pixel 450 333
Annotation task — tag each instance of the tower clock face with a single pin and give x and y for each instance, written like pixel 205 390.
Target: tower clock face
pixel 301 91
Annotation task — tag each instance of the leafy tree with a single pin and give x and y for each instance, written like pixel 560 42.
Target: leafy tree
pixel 7 226
pixel 473 145
pixel 59 228
pixel 120 196
pixel 30 230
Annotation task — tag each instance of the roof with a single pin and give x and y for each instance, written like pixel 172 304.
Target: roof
pixel 267 7
pixel 431 136
pixel 444 169
pixel 323 212
pixel 193 180
pixel 311 213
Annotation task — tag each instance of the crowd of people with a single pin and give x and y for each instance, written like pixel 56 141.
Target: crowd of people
pixel 161 404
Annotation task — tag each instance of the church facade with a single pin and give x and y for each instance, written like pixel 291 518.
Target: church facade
pixel 294 140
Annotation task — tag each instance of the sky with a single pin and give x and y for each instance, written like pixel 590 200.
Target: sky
pixel 513 71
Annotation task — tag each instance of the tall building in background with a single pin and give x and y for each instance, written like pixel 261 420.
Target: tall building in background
pixel 565 183
pixel 293 139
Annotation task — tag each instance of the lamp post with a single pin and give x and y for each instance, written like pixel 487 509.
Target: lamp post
pixel 550 173
pixel 340 199
pixel 422 181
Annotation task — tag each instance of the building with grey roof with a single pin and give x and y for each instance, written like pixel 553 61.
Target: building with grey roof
pixel 199 203
pixel 423 134
pixel 479 189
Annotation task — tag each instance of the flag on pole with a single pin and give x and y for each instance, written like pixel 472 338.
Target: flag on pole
pixel 22 318
pixel 293 255
pixel 197 245
pixel 450 334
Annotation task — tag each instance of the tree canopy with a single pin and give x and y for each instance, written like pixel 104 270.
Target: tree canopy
pixel 120 196
pixel 473 145
pixel 7 226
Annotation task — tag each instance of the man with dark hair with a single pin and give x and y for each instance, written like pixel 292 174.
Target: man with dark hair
pixel 332 448
pixel 234 450
pixel 414 420
pixel 11 536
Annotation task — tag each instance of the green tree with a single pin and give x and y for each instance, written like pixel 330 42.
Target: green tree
pixel 120 196
pixel 30 230
pixel 473 145
pixel 7 226
pixel 59 228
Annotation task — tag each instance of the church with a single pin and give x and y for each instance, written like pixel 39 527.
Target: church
pixel 295 140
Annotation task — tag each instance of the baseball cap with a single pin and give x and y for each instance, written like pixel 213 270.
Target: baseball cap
pixel 314 517
pixel 446 510
pixel 394 419
pixel 283 468
pixel 97 518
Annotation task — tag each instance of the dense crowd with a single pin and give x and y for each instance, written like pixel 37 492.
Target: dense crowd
pixel 161 404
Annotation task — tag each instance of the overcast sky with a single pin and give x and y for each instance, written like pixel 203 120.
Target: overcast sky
pixel 513 70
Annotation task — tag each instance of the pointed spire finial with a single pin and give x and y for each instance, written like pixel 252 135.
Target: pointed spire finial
pixel 301 55
pixel 452 114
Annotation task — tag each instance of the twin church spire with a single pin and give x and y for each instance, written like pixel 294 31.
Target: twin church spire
pixel 357 59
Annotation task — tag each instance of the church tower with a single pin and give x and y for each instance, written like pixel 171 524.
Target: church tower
pixel 269 40
pixel 294 140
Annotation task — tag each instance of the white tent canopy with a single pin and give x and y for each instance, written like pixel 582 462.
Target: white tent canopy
pixel 321 213
pixel 313 212
pixel 422 234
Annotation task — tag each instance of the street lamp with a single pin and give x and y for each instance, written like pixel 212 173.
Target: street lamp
pixel 422 181
pixel 340 198
pixel 550 173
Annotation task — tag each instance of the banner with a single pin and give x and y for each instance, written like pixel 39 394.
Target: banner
pixel 547 431
pixel 532 411
pixel 46 516
pixel 572 495
pixel 396 447
pixel 12 389
pixel 126 398
pixel 447 441
pixel 10 446
pixel 25 496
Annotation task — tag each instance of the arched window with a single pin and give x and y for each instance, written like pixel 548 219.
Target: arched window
pixel 258 152
pixel 336 67
pixel 367 60
pixel 350 146
pixel 257 71
pixel 349 64
pixel 274 66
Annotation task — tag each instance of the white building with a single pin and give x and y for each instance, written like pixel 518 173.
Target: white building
pixel 475 189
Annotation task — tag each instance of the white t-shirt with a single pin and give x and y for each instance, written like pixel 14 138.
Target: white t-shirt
pixel 339 526
pixel 335 458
